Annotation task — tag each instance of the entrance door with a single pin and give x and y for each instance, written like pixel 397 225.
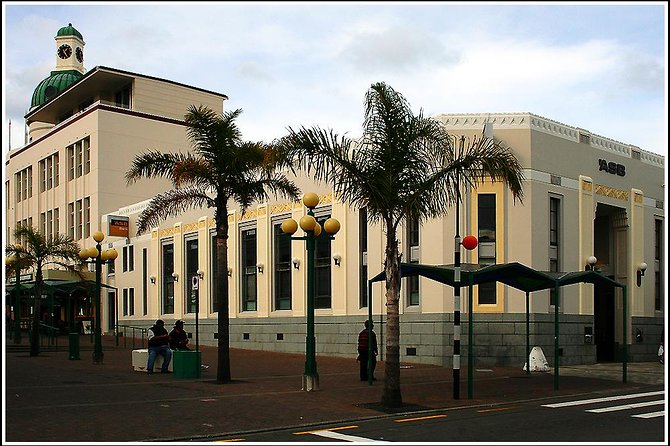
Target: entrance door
pixel 111 311
pixel 603 320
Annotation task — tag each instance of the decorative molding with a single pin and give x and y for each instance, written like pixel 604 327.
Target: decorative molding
pixel 549 126
pixel 611 192
pixel 587 186
pixel 189 227
pixel 168 232
pixel 281 208
pixel 249 215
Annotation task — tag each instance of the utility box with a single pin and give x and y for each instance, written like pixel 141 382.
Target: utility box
pixel 186 363
pixel 74 345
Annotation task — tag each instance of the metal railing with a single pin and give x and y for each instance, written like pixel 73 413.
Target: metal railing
pixel 131 331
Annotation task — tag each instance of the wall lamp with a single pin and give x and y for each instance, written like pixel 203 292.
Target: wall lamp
pixel 200 273
pixel 259 265
pixel 153 279
pixel 296 262
pixel 175 276
pixel 337 258
pixel 590 264
pixel 640 273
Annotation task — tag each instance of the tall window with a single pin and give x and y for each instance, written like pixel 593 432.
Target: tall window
pixel 363 258
pixel 168 280
pixel 658 267
pixel 322 268
pixel 554 241
pixel 145 286
pixel 191 272
pixel 128 258
pixel 87 217
pixel 24 184
pixel 79 214
pixel 413 247
pixel 212 277
pixel 282 265
pixel 131 301
pixel 125 302
pixel 486 224
pixel 56 221
pixel 79 158
pixel 70 220
pixel 249 283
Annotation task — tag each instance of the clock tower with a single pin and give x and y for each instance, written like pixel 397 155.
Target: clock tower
pixel 69 49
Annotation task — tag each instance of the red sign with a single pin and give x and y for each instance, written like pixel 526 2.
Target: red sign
pixel 118 227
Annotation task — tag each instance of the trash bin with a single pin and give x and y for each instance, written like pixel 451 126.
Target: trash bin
pixel 186 363
pixel 74 345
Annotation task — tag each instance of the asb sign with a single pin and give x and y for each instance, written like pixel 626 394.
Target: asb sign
pixel 118 226
pixel 613 168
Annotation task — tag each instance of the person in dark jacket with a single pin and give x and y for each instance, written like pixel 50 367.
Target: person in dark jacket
pixel 363 351
pixel 178 337
pixel 159 344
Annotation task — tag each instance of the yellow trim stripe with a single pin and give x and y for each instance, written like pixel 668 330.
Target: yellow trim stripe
pixel 419 418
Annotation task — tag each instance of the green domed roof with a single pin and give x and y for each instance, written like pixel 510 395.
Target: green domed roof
pixel 69 30
pixel 52 85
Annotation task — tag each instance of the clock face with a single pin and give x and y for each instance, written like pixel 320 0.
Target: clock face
pixel 64 51
pixel 79 53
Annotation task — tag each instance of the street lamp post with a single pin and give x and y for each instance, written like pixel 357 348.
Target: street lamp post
pixel 312 229
pixel 16 263
pixel 98 257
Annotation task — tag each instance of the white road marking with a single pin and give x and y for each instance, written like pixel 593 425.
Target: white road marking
pixel 600 400
pixel 343 437
pixel 650 414
pixel 626 406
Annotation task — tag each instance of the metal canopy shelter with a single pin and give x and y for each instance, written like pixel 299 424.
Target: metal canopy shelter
pixel 518 276
pixel 53 287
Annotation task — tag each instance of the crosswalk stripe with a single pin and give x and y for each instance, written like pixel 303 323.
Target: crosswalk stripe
pixel 343 437
pixel 600 400
pixel 660 413
pixel 626 406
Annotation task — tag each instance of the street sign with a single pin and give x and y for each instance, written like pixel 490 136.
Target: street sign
pixel 195 281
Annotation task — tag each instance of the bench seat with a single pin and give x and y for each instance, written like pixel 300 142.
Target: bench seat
pixel 140 357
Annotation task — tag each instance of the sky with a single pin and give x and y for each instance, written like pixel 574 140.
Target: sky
pixel 598 66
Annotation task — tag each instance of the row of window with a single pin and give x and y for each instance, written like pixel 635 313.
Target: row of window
pixel 79 163
pixel 49 222
pixel 79 219
pixel 282 263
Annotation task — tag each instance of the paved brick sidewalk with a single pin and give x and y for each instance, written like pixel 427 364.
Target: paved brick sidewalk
pixel 51 398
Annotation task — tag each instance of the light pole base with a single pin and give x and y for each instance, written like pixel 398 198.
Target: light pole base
pixel 310 382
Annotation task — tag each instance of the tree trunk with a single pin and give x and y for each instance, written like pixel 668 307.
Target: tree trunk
pixel 222 298
pixel 35 332
pixel 391 396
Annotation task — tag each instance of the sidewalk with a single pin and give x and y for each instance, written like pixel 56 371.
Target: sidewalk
pixel 51 398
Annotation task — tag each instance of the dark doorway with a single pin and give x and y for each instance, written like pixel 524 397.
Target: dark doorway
pixel 603 320
pixel 111 311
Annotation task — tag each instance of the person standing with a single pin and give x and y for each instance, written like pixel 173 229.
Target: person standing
pixel 159 344
pixel 363 348
pixel 178 337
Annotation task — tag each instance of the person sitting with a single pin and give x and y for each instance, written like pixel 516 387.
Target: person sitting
pixel 178 337
pixel 159 344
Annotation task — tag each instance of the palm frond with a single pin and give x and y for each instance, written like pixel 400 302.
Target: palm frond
pixel 154 164
pixel 171 204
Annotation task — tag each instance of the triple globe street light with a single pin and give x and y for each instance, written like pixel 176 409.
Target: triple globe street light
pixel 96 256
pixel 312 229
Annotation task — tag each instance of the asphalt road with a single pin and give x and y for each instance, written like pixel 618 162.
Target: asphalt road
pixel 636 417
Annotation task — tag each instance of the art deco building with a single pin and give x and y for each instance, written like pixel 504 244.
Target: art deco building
pixel 585 196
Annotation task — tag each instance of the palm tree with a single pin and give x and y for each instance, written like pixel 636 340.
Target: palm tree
pixel 403 166
pixel 36 251
pixel 221 167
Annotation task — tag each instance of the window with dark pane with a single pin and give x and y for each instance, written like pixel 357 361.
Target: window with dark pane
pixel 282 265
